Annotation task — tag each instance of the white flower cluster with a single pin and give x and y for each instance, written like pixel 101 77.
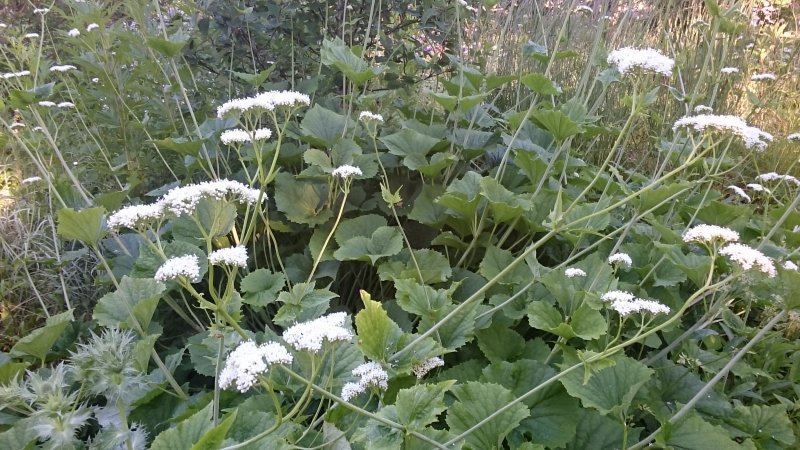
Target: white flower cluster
pixel 10 75
pixel 249 360
pixel 182 200
pixel 700 109
pixel 231 256
pixel 66 105
pixel 92 26
pixel 366 116
pixel 310 335
pixel 584 8
pixel 752 136
pixel 626 303
pixel 238 135
pixel 618 296
pixel 370 374
pixel 16 125
pixel 628 58
pixel 573 272
pixel 709 234
pixel 620 258
pixel 729 70
pixel 741 193
pixel 758 188
pixel 179 266
pixel 773 176
pixel 64 68
pixel 47 104
pixel 31 180
pixel 793 137
pixel 422 369
pixel 32 35
pixel 266 101
pixel 346 171
pixel 73 32
pixel 789 265
pixel 764 77
pixel 41 10
pixel 748 258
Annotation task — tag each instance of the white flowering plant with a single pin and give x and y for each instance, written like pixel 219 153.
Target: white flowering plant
pixel 388 240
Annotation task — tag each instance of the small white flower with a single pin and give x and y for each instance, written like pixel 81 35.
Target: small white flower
pixel 764 77
pixel 773 176
pixel 32 35
pixel 729 70
pixel 793 137
pixel 584 8
pixel 367 116
pixel 179 266
pixel 752 136
pixel 309 336
pixel 370 374
pixel 624 308
pixel 95 80
pixel 573 272
pixel 748 257
pixel 266 101
pixel 620 258
pixel 31 180
pixel 73 32
pixel 628 58
pixel 92 26
pixel 422 369
pixel 237 135
pixel 790 265
pixel 699 109
pixel 42 11
pixel 183 200
pixel 244 364
pixel 231 256
pixel 346 171
pixel 16 125
pixel 758 188
pixel 741 193
pixel 66 105
pixel 614 296
pixel 135 215
pixel 710 233
pixel 47 104
pixel 352 390
pixel 63 68
pixel 10 75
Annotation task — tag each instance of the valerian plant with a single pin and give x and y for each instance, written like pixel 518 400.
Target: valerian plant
pixel 335 270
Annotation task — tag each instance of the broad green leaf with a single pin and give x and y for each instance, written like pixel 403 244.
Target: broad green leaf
pixel 363 225
pixel 167 48
pixel 323 127
pixel 39 342
pixel 378 436
pixel 182 146
pixel 426 210
pixel 385 241
pixel 418 406
pixel 336 53
pixel 261 287
pixel 597 432
pixel 544 316
pixel 213 438
pixel 536 51
pixel 675 384
pixel 695 266
pixel 496 260
pixel 256 79
pixel 504 204
pixel 433 267
pixel 186 433
pixel 453 102
pixel 557 123
pixel 500 343
pixel 455 332
pixel 462 196
pixel 411 145
pixel 609 390
pixel 540 84
pixel 302 303
pixel 421 299
pixel 587 323
pixel 85 225
pixel 471 139
pixel 769 426
pixel 713 7
pixel 216 216
pixel 476 402
pixel 377 333
pixel 578 217
pixel 495 81
pixel 142 351
pixel 302 202
pixel 131 306
pixel 694 433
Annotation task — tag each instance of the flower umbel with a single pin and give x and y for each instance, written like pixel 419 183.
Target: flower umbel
pixel 751 136
pixel 248 361
pixel 231 256
pixel 180 266
pixel 749 258
pixel 371 374
pixel 346 171
pixel 573 272
pixel 422 369
pixel 310 335
pixel 622 259
pixel 710 234
pixel 628 58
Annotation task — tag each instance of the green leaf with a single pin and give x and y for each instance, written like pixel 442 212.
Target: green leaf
pixel 497 259
pixel 130 306
pixel 609 390
pixel 540 84
pixel 411 145
pixel 186 433
pixel 337 53
pixel 477 401
pixel 85 225
pixel 694 433
pixel 39 342
pixel 462 195
pixel 433 267
pixel 536 51
pixel 713 7
pixel 21 436
pixel 596 432
pixel 302 303
pixel 544 316
pixel 504 204
pixel 261 287
pixel 385 241
pixel 587 323
pixel 453 102
pixel 769 426
pixel 302 202
pixel 378 335
pixel 421 299
pixel 419 405
pixel 455 332
pixel 377 436
pixel 557 123
pixel 213 439
pixel 182 146
pixel 167 48
pixel 323 127
pixel 256 79
pixel 363 225
pixel 500 343
pixel 216 216
pixel 425 210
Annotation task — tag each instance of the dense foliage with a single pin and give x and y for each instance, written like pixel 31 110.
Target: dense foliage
pixel 399 226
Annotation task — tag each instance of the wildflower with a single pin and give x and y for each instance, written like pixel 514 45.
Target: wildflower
pixel 32 35
pixel 764 77
pixel 710 233
pixel 266 101
pixel 573 272
pixel 789 265
pixel 772 176
pixel 183 200
pixel 729 70
pixel 370 374
pixel 244 364
pixel 41 11
pixel 752 136
pixel 10 75
pixel 66 105
pixel 31 180
pixel 310 335
pixel 116 437
pixel 179 266
pixel 758 188
pixel 629 58
pixel 63 68
pixel 741 193
pixel 584 8
pixel 614 296
pixel 639 305
pixel 748 257
pixel 346 171
pixel 699 109
pixel 73 32
pixel 95 80
pixel 135 215
pixel 16 125
pixel 241 136
pixel 367 116
pixel 793 137
pixel 47 104
pixel 38 129
pixel 231 256
pixel 620 258
pixel 91 27
pixel 422 369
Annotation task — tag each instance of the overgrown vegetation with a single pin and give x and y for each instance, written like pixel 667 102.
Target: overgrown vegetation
pixel 369 225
